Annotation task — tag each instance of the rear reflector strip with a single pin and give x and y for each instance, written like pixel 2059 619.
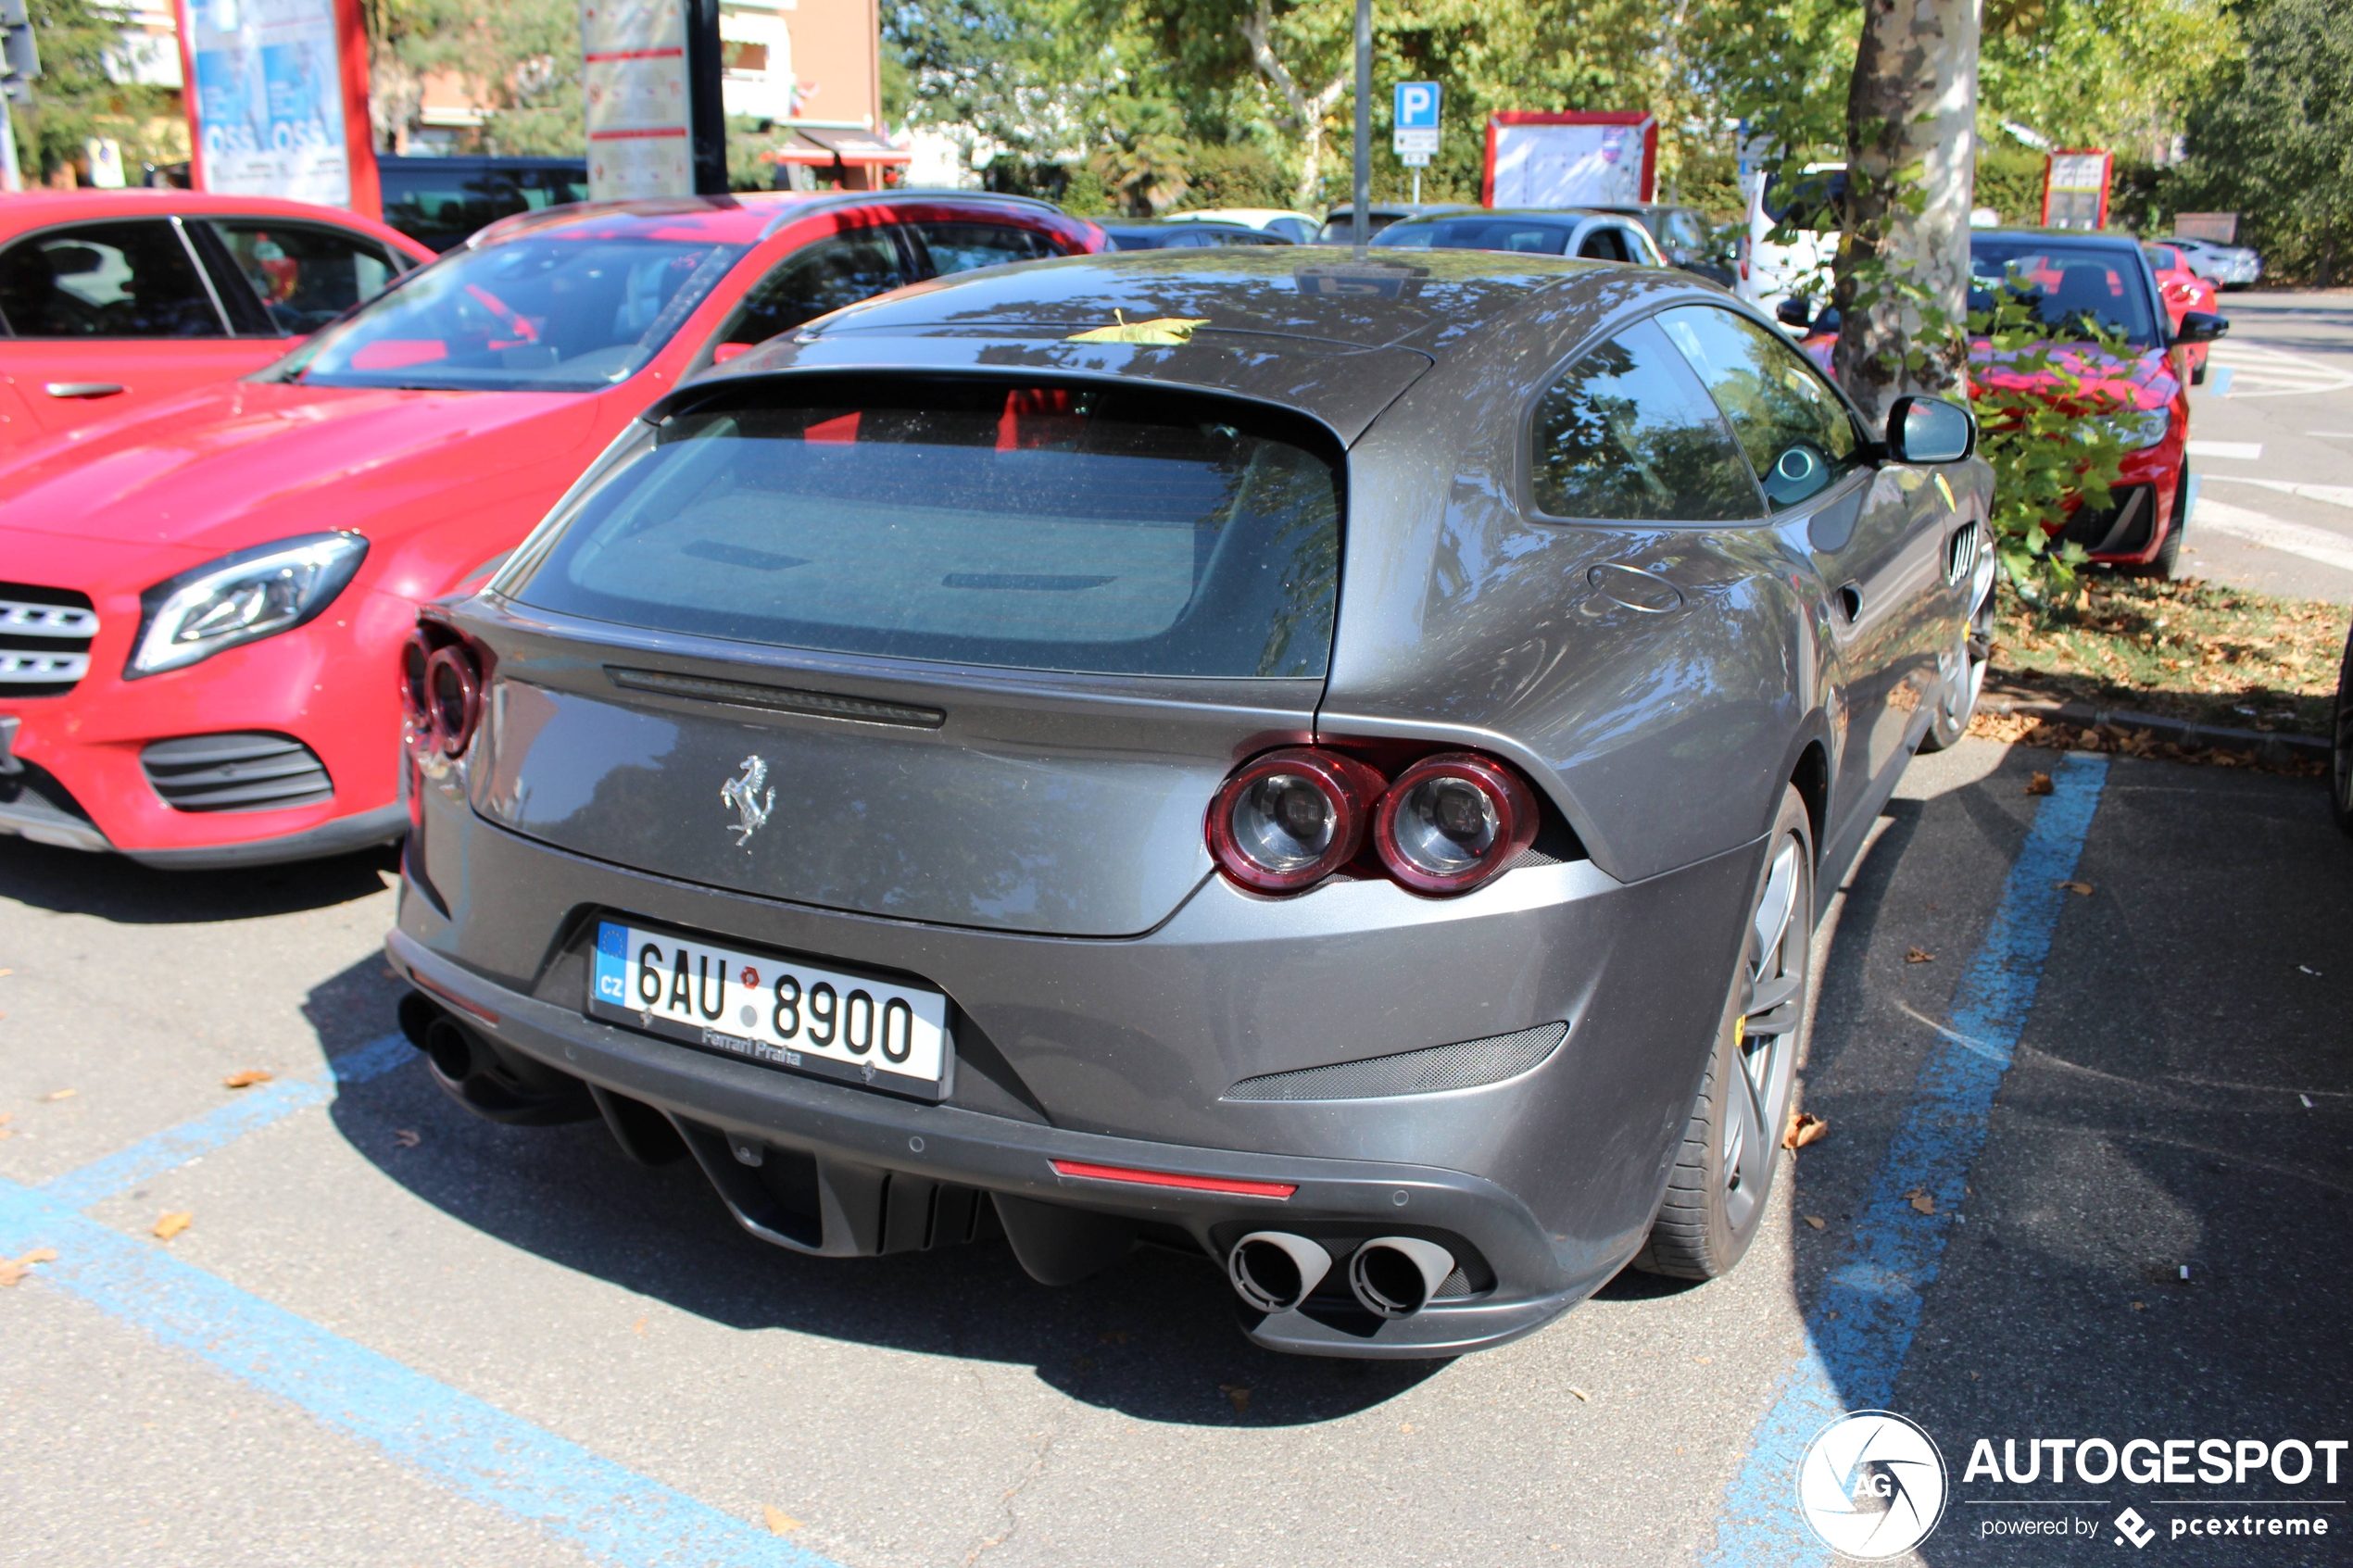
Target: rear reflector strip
pixel 454 999
pixel 1165 1179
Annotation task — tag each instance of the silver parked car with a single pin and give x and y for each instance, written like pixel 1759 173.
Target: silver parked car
pixel 1331 765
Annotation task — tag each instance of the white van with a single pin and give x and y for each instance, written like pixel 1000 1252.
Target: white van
pixel 1770 274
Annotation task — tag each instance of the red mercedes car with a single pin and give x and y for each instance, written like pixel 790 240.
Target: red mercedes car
pixel 204 600
pixel 2080 286
pixel 110 299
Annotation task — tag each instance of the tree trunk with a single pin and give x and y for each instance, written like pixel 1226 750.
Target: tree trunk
pixel 1306 111
pixel 1911 134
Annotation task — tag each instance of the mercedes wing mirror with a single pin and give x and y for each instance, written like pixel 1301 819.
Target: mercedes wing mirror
pixel 1929 430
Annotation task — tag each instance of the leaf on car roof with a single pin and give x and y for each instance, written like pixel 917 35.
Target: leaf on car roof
pixel 248 1079
pixel 1160 331
pixel 172 1224
pixel 13 1268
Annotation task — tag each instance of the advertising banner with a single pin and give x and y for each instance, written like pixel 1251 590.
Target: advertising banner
pixel 1571 160
pixel 278 99
pixel 635 91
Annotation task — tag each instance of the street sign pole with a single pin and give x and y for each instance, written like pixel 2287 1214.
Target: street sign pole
pixel 1360 218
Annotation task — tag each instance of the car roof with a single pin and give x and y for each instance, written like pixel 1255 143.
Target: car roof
pixel 2088 239
pixel 746 219
pixel 1331 336
pixel 1568 217
pixel 30 209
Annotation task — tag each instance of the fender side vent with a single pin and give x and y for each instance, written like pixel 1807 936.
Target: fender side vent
pixel 235 772
pixel 1464 1065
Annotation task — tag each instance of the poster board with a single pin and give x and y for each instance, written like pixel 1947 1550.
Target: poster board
pixel 1571 159
pixel 277 96
pixel 2220 228
pixel 2075 188
pixel 634 95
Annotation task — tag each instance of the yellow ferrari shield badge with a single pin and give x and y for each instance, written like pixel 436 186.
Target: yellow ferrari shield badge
pixel 1946 491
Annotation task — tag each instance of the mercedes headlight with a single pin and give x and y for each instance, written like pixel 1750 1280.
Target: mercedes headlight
pixel 2142 427
pixel 241 598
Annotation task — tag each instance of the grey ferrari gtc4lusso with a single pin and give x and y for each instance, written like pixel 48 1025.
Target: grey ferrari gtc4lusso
pixel 1330 764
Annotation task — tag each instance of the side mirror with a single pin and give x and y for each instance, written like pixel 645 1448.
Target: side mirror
pixel 1929 430
pixel 1794 311
pixel 2200 326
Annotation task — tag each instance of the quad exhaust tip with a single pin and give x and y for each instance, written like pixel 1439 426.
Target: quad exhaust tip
pixel 1394 1276
pixel 1274 1270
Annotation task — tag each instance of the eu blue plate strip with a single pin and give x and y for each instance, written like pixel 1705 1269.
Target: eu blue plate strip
pixel 484 1454
pixel 253 1110
pixel 1862 1324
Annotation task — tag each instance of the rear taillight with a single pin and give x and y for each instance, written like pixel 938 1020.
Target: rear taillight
pixel 453 697
pixel 1290 819
pixel 1446 825
pixel 1450 822
pixel 414 651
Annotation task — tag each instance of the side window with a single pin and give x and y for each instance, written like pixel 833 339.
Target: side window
pixel 817 279
pixel 1682 232
pixel 1797 435
pixel 960 247
pixel 105 279
pixel 1602 243
pixel 1625 432
pixel 304 277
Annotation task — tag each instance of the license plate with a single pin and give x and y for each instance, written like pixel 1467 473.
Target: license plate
pixel 775 1011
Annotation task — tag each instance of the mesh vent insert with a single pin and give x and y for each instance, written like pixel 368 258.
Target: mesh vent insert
pixel 1464 1065
pixel 235 772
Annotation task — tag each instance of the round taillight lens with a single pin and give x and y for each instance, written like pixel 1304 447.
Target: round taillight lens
pixel 1450 821
pixel 415 652
pixel 453 699
pixel 1290 819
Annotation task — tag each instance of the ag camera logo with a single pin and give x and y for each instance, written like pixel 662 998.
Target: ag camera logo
pixel 1871 1486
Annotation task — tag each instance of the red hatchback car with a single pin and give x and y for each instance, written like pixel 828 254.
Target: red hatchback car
pixel 205 600
pixel 111 299
pixel 2078 283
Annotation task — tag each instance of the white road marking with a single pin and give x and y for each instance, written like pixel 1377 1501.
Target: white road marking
pixel 2248 450
pixel 2331 434
pixel 2334 495
pixel 2290 538
pixel 2258 371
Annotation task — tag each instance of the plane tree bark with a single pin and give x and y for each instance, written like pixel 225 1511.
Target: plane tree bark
pixel 1901 277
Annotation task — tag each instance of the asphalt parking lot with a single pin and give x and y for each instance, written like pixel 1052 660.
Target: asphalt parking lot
pixel 392 1334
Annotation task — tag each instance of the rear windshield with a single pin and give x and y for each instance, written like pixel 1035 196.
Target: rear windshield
pixel 2074 289
pixel 1482 233
pixel 1112 531
pixel 542 313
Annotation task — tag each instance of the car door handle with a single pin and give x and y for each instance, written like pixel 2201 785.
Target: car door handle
pixel 83 388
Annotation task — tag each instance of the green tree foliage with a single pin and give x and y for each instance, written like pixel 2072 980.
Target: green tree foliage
pixel 74 98
pixel 2276 140
pixel 523 57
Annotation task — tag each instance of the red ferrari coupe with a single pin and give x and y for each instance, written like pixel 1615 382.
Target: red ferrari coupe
pixel 204 600
pixel 110 299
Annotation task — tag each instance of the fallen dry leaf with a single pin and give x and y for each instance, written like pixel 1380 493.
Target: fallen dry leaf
pixel 2081 889
pixel 1405 1426
pixel 13 1268
pixel 639 1327
pixel 1240 1394
pixel 779 1522
pixel 1705 1361
pixel 2140 1306
pixel 1918 956
pixel 1919 1197
pixel 2039 785
pixel 1816 1222
pixel 8 972
pixel 172 1224
pixel 55 1095
pixel 248 1079
pixel 1582 1397
pixel 1805 1128
pixel 406 1137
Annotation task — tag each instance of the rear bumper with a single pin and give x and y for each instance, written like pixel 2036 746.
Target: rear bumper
pixel 866 1151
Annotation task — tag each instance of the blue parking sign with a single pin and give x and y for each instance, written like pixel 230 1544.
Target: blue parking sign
pixel 1417 106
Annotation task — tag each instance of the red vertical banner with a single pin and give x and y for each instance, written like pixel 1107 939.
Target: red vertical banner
pixel 277 97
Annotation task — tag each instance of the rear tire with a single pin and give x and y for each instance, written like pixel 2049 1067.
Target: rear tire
pixel 1717 1194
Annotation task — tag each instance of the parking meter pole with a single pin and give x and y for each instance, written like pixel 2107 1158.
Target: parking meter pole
pixel 1360 218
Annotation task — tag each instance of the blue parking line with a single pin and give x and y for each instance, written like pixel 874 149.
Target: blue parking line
pixel 478 1451
pixel 2219 380
pixel 250 1111
pixel 1862 1324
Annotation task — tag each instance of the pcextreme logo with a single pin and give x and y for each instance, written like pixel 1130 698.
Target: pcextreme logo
pixel 1871 1484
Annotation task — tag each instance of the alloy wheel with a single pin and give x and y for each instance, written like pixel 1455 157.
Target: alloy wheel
pixel 1765 1036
